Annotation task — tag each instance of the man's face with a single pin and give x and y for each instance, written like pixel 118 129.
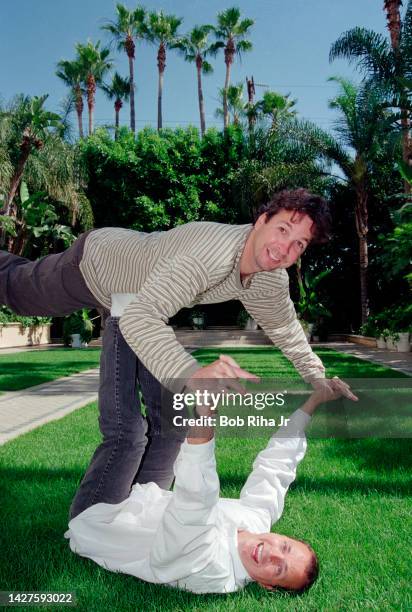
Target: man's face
pixel 274 560
pixel 280 241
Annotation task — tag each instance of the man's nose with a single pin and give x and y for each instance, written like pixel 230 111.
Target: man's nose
pixel 284 246
pixel 275 556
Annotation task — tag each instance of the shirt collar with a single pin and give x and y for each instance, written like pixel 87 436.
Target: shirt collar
pixel 242 578
pixel 236 268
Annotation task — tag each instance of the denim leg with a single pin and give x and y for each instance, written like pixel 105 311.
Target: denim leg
pixel 163 441
pixel 116 460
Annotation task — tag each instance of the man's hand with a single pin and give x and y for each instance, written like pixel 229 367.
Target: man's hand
pixel 329 387
pixel 327 390
pixel 226 372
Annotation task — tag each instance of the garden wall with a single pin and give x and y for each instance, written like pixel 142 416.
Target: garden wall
pixel 13 334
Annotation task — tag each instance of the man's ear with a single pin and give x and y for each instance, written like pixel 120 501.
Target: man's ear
pixel 261 220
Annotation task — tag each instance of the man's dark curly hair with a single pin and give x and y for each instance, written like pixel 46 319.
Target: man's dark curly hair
pixel 304 202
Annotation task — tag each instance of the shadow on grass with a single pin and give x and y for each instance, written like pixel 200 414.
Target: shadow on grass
pixel 348 485
pixel 383 457
pixel 378 454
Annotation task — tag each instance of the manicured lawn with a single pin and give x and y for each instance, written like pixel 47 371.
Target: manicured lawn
pixel 268 361
pixel 352 500
pixel 22 370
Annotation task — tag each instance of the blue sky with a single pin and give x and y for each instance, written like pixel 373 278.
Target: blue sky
pixel 291 42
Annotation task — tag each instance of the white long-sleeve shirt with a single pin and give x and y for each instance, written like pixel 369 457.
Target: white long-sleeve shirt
pixel 188 538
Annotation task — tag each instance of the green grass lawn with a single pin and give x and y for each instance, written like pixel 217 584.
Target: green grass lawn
pixel 352 500
pixel 22 370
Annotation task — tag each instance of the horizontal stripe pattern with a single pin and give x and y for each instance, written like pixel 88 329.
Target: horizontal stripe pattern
pixel 195 263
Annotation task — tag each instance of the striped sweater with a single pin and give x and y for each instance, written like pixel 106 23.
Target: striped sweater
pixel 195 263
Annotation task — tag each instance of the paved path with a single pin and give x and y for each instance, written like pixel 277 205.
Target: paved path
pixel 24 349
pixel 21 411
pixel 391 359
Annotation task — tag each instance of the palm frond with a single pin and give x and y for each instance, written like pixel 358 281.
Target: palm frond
pixel 369 50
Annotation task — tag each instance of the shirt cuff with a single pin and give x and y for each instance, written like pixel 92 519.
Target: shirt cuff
pixel 178 384
pixel 198 452
pixel 319 374
pixel 300 419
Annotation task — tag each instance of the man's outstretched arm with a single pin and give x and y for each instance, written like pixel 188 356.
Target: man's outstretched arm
pixel 274 468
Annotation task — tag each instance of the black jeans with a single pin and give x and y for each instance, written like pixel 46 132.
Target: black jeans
pixel 133 447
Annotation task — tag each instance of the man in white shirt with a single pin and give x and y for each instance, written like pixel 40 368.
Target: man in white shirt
pixel 193 540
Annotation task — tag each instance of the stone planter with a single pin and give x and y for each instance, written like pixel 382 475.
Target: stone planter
pixel 390 344
pixel 381 342
pixel 198 322
pixel 76 341
pixel 251 325
pixel 14 335
pixel 403 344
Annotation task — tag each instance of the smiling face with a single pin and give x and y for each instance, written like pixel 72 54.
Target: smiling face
pixel 274 560
pixel 276 242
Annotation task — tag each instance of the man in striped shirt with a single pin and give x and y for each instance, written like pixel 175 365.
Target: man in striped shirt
pixel 144 279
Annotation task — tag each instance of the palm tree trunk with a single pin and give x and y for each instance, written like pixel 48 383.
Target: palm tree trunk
pixel 361 218
pixel 199 63
pixel 393 16
pixel 18 244
pixel 130 49
pixel 225 106
pixel 161 64
pixel 132 106
pixel 230 50
pixel 159 102
pixel 91 90
pixel 117 106
pixel 406 145
pixel 79 109
pixel 10 209
pixel 25 149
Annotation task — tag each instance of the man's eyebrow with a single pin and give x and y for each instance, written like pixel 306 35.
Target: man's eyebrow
pixel 290 226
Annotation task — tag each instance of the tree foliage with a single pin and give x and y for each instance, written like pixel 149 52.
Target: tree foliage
pixel 158 180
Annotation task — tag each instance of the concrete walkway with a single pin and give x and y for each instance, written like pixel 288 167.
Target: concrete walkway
pixel 25 349
pixel 390 359
pixel 21 411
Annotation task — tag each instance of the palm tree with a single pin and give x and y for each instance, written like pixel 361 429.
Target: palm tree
pixel 33 152
pixel 286 158
pixel 363 127
pixel 299 153
pixel 385 64
pixel 119 91
pixel 34 122
pixel 128 27
pixel 231 34
pixel 276 105
pixel 162 29
pixel 94 65
pixel 195 48
pixel 70 72
pixel 236 107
